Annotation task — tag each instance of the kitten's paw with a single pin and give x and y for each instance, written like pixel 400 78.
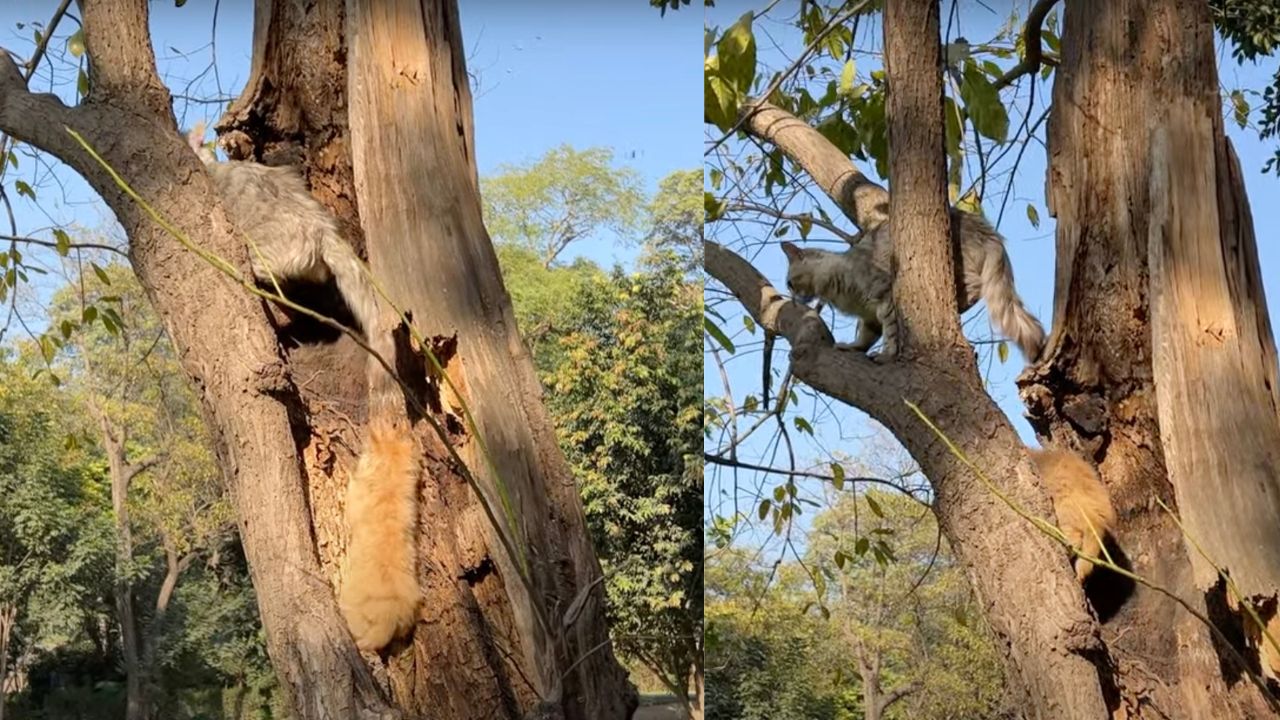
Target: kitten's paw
pixel 882 358
pixel 856 347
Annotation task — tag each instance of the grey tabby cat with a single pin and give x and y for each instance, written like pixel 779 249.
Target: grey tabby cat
pixel 857 282
pixel 296 238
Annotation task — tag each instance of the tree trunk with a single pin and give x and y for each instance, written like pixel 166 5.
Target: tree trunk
pixel 121 474
pixel 325 81
pixel 1149 246
pixel 8 616
pixel 699 687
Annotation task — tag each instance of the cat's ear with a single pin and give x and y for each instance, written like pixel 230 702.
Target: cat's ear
pixel 792 251
pixel 195 137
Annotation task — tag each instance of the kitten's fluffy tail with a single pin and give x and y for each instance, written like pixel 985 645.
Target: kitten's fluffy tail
pixel 1004 306
pixel 379 595
pixel 1080 501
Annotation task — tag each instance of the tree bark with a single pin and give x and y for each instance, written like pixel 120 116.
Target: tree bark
pixel 8 616
pixel 924 284
pixel 1161 350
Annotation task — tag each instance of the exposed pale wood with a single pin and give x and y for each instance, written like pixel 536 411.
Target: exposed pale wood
pixel 416 180
pixel 1217 413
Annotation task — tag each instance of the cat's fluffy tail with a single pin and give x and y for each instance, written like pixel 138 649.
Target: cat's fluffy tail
pixel 1007 312
pixel 379 595
pixel 1080 501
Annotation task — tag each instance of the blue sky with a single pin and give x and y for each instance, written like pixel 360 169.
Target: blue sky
pixel 840 429
pixel 587 74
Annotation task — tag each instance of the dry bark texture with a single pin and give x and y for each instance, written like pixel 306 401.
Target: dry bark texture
pixel 286 425
pixel 1118 203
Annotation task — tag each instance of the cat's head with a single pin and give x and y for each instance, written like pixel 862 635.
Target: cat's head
pixel 802 271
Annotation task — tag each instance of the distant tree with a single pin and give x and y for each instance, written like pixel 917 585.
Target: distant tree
pixel 56 540
pixel 565 196
pixel 902 617
pixel 676 214
pixel 166 492
pixel 625 393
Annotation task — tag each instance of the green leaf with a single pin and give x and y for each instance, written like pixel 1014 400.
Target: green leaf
pixel 102 275
pixel 1050 40
pixel 714 331
pixel 749 404
pixel 64 241
pixel 803 425
pixel 46 348
pixel 1002 350
pixel 713 207
pixel 846 78
pixel 837 476
pixel 806 224
pixel 24 189
pixel 89 314
pixel 749 324
pixel 1240 106
pixel 13 159
pixel 826 614
pixel 1033 215
pixel 66 328
pixel 763 512
pixel 179 3
pixel 75 43
pixel 736 52
pixel 82 84
pixel 982 101
pixel 780 494
pixel 720 101
pixel 841 559
pixel 875 506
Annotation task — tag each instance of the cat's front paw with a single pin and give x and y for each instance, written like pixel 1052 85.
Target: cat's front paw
pixel 856 347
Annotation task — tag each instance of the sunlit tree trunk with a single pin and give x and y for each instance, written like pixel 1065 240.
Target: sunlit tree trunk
pixel 1161 366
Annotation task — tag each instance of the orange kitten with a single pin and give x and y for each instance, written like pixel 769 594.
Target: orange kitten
pixel 1080 501
pixel 379 596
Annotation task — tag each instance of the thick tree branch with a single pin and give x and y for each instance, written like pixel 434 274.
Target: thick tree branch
pixel 122 64
pixel 1033 53
pixel 862 201
pixel 925 278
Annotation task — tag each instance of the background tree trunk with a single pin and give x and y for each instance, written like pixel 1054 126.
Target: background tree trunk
pixel 478 652
pixel 1097 389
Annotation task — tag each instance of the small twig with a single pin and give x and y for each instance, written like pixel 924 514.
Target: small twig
pixel 1033 55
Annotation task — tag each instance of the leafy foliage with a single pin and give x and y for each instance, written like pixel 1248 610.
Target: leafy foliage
pixel 676 218
pixel 1254 28
pixel 773 653
pixel 565 196
pixel 627 404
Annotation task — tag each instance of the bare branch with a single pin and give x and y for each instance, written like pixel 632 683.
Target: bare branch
pixel 73 246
